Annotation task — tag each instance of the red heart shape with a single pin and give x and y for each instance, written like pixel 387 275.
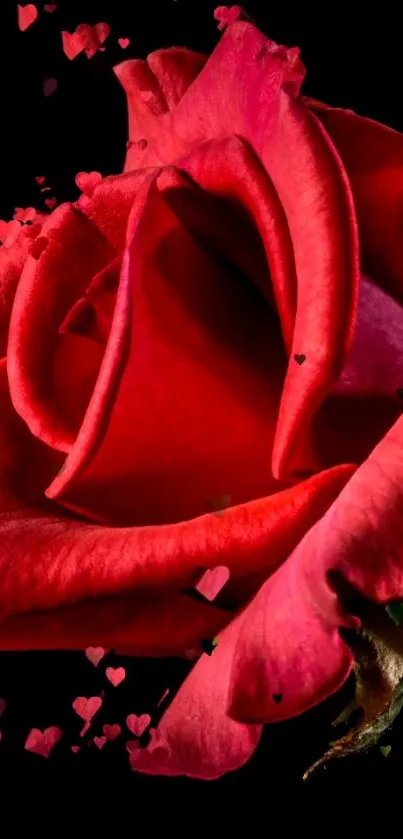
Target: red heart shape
pixel 124 42
pixel 132 746
pixel 137 725
pixel 87 181
pixel 102 31
pixel 75 749
pixel 26 16
pixel 42 742
pixel 87 708
pixel 95 654
pixel 116 675
pixel 111 731
pixel 73 43
pixel 99 742
pixel 51 7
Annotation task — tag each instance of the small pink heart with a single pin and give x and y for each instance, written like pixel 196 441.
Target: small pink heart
pixel 111 731
pixel 26 16
pixel 73 44
pixel 116 675
pixel 94 654
pixel 51 203
pixel 87 708
pixel 137 725
pixel 3 706
pixel 49 86
pixel 75 749
pixel 87 181
pixel 124 43
pixel 40 179
pixel 51 7
pixel 99 742
pixel 213 581
pixel 42 742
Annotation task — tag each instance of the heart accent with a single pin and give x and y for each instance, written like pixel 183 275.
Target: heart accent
pixel 27 15
pixel 51 7
pixel 299 358
pixel 87 708
pixel 137 725
pixel 49 86
pixel 213 581
pixel 95 654
pixel 386 750
pixel 75 749
pixel 87 181
pixel 111 731
pixel 277 697
pixel 73 44
pixel 99 742
pixel 116 675
pixel 124 43
pixel 42 742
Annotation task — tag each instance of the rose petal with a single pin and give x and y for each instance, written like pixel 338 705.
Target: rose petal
pixel 198 738
pixel 259 83
pixel 76 251
pixel 373 157
pixel 289 641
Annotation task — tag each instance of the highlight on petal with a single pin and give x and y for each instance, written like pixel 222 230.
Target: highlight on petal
pixel 289 641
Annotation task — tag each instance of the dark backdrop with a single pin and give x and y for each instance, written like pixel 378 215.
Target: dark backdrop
pixel 354 63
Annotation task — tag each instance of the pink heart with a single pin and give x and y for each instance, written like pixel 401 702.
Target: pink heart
pixel 26 16
pixel 51 7
pixel 75 749
pixel 73 44
pixel 99 742
pixel 51 203
pixel 102 31
pixel 94 654
pixel 111 731
pixel 87 181
pixel 124 43
pixel 3 706
pixel 42 742
pixel 49 86
pixel 87 708
pixel 137 725
pixel 213 581
pixel 116 675
pixel 40 179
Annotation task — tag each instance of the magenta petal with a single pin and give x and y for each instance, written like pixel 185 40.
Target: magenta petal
pixel 289 642
pixel 197 737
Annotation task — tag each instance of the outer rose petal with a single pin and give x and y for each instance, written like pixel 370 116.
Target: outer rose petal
pixel 152 87
pixel 198 738
pixel 289 642
pixel 35 349
pixel 48 562
pixel 373 157
pixel 259 84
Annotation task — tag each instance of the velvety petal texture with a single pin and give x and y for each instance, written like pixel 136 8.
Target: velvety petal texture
pixel 201 384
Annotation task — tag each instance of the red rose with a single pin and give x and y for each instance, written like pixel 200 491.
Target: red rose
pixel 204 331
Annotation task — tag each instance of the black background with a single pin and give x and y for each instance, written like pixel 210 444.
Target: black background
pixel 353 58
